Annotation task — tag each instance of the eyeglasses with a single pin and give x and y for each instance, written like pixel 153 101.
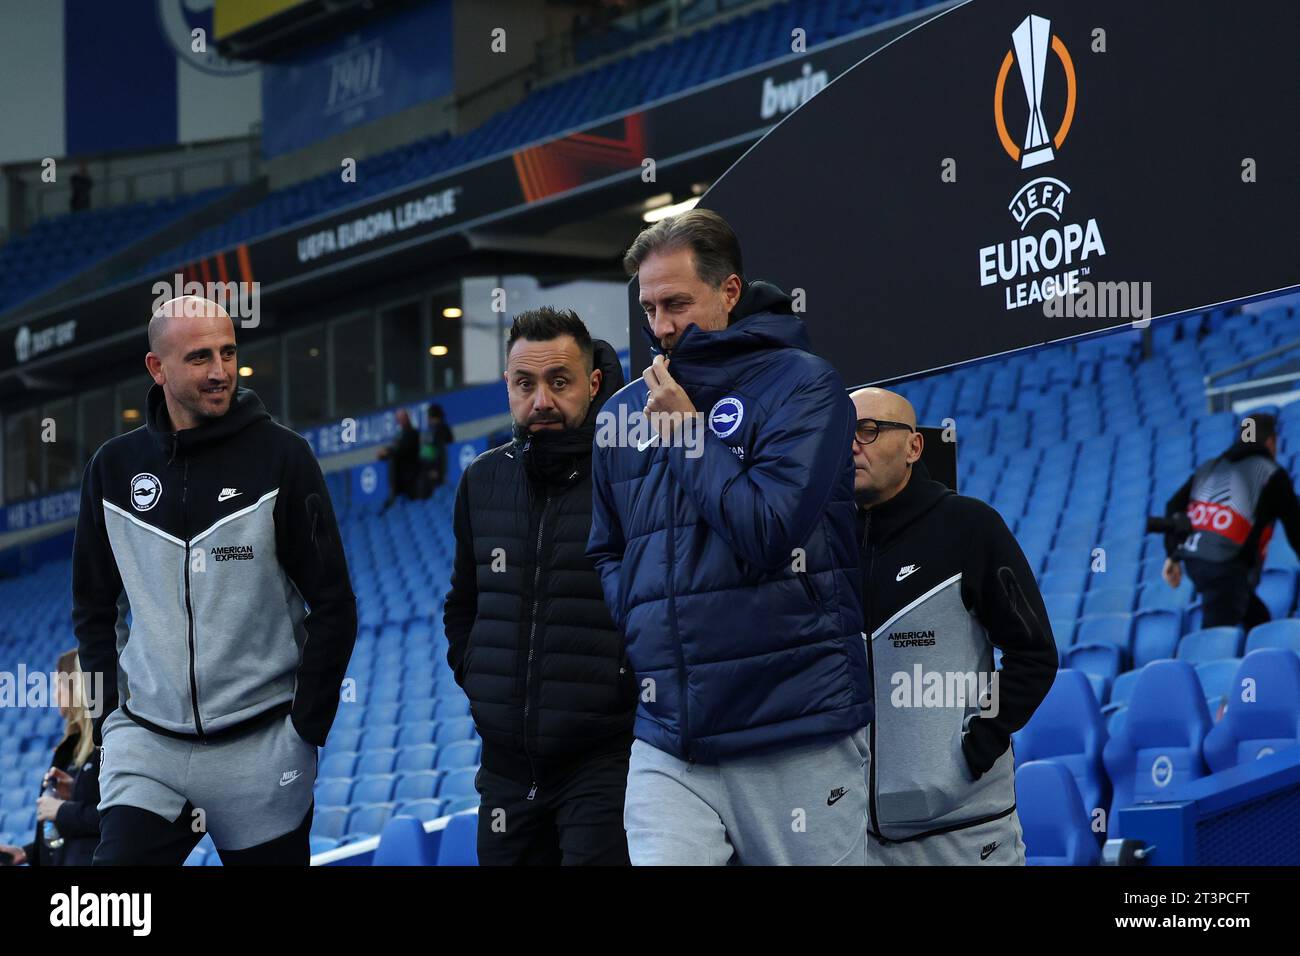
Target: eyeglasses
pixel 869 429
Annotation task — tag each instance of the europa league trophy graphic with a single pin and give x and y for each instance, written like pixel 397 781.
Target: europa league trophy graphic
pixel 1030 40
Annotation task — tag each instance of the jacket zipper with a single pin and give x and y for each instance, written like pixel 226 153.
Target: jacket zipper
pixel 871 670
pixel 532 633
pixel 189 608
pixel 677 640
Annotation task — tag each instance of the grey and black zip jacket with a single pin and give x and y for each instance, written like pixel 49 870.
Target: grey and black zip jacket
pixel 195 553
pixel 945 583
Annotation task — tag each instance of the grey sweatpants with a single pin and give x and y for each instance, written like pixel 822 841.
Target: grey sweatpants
pixel 801 805
pixel 250 789
pixel 996 843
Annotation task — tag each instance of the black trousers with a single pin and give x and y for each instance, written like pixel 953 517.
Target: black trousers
pixel 574 821
pixel 1227 590
pixel 130 836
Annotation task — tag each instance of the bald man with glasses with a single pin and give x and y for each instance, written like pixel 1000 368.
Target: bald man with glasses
pixel 944 584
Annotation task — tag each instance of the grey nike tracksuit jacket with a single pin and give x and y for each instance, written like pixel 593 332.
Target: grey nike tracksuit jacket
pixel 945 582
pixel 212 539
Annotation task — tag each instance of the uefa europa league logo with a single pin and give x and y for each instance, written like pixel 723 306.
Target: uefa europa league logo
pixel 1031 40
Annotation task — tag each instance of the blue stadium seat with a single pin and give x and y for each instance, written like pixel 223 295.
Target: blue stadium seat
pixel 458 783
pixel 333 791
pixel 320 844
pixel 1216 679
pixel 330 821
pixel 422 757
pixel 417 786
pixel 461 754
pixel 1057 828
pixel 374 788
pixel 403 842
pixel 338 765
pixel 1113 629
pixel 369 819
pixel 1277 590
pixel 1159 744
pixel 1067 728
pixel 461 804
pixel 424 810
pixel 1100 663
pixel 1210 644
pixel 377 761
pixel 1155 635
pixel 454 729
pixel 459 844
pixel 1285 634
pixel 1262 718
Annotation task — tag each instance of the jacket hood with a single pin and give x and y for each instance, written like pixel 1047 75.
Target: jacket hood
pixel 919 495
pixel 761 319
pixel 611 376
pixel 245 409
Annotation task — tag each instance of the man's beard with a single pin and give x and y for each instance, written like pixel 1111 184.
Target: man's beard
pixel 200 411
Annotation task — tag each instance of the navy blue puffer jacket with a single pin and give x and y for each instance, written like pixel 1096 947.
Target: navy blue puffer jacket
pixel 734 575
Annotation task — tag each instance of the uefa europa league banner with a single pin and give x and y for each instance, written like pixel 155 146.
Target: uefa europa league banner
pixel 1014 173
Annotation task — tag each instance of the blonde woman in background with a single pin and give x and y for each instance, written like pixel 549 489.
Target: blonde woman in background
pixel 70 790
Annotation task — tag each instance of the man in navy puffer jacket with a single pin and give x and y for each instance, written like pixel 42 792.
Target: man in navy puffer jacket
pixel 729 562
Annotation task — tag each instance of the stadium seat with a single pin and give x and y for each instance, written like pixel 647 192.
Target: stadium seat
pixel 1056 827
pixel 1067 728
pixel 403 842
pixel 1155 635
pixel 338 765
pixel 425 810
pixel 320 844
pixel 330 821
pixel 417 786
pixel 1263 717
pixel 1159 744
pixel 1216 679
pixel 463 753
pixel 1210 644
pixel 1285 634
pixel 459 844
pixel 458 783
pixel 454 729
pixel 369 819
pixel 1100 662
pixel 1277 590
pixel 333 791
pixel 374 788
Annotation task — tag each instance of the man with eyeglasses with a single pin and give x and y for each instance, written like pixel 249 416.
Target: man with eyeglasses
pixel 944 584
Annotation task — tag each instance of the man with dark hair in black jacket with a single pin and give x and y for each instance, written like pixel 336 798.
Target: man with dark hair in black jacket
pixel 403 457
pixel 944 584
pixel 211 526
pixel 529 637
pixel 1232 502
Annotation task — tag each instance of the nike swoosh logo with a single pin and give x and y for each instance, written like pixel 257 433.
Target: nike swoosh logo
pixel 905 572
pixel 288 778
pixel 642 446
pixel 225 497
pixel 835 798
pixel 988 850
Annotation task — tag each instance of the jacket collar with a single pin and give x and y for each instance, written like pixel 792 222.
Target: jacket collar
pixel 921 494
pixel 761 320
pixel 245 409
